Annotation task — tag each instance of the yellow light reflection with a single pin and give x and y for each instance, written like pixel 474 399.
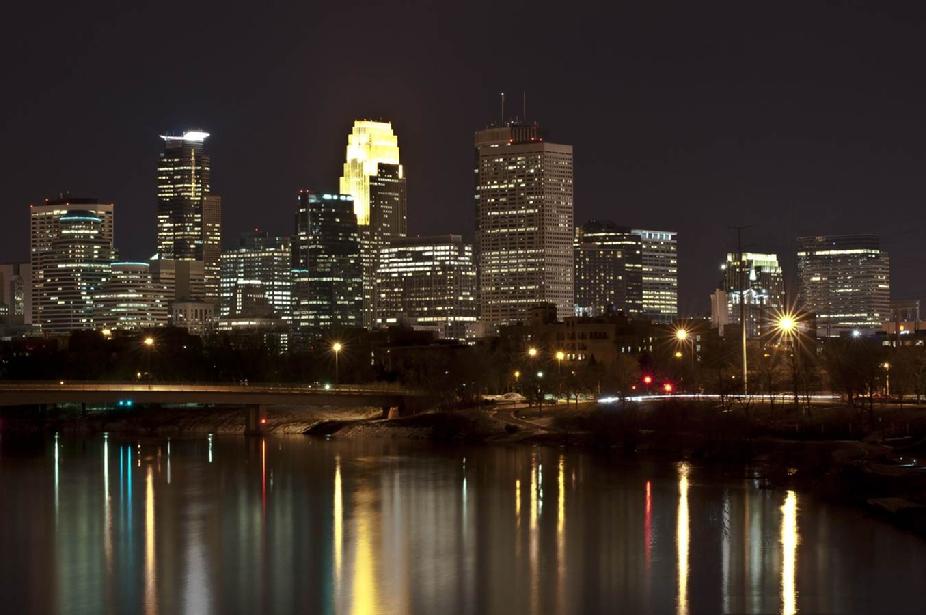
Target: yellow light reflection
pixel 364 599
pixel 682 538
pixel 107 510
pixel 561 536
pixel 517 501
pixel 150 589
pixel 789 541
pixel 338 521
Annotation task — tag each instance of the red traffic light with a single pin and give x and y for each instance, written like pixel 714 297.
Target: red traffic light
pixel 647 379
pixel 667 387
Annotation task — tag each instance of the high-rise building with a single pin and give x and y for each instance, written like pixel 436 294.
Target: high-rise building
pixel 845 281
pixel 256 278
pixel 428 282
pixel 16 293
pixel 660 274
pixel 189 216
pixel 129 299
pixel 373 176
pixel 608 270
pixel 71 247
pixel 760 277
pixel 524 223
pixel 327 290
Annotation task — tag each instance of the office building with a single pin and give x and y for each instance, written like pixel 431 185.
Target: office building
pixel 373 176
pixel 327 282
pixel 428 283
pixel 16 293
pixel 608 270
pixel 256 278
pixel 71 251
pixel 845 281
pixel 55 257
pixel 524 223
pixel 130 300
pixel 659 255
pixel 760 277
pixel 189 216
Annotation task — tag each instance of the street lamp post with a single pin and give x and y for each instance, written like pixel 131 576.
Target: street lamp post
pixel 531 354
pixel 148 343
pixel 560 355
pixel 540 391
pixel 787 328
pixel 336 349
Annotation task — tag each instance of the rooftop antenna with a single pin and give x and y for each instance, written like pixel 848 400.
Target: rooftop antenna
pixel 524 105
pixel 503 108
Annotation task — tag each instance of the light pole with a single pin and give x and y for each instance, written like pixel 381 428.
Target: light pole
pixel 560 355
pixel 887 379
pixel 531 354
pixel 148 342
pixel 540 391
pixel 336 349
pixel 517 379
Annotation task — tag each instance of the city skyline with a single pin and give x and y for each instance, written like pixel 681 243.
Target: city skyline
pixel 683 130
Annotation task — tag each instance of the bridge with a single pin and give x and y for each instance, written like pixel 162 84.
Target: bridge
pixel 253 398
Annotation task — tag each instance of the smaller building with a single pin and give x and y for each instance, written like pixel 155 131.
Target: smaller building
pixel 16 294
pixel 130 299
pixel 197 317
pixel 659 257
pixel 256 278
pixel 427 283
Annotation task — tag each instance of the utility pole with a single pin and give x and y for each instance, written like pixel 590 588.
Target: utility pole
pixel 742 301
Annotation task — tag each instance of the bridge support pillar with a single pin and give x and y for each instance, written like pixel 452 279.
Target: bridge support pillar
pixel 255 420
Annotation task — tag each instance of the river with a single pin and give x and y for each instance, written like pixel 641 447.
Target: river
pixel 101 524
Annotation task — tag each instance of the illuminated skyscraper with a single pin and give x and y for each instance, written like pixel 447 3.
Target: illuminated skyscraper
pixel 524 223
pixel 373 176
pixel 256 278
pixel 71 247
pixel 660 274
pixel 761 278
pixel 189 216
pixel 327 289
pixel 608 270
pixel 428 282
pixel 845 281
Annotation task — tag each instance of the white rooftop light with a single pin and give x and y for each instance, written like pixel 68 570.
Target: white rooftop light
pixel 193 136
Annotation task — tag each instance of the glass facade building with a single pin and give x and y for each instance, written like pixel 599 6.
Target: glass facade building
pixel 524 223
pixel 608 270
pixel 256 278
pixel 428 282
pixel 130 299
pixel 845 281
pixel 659 252
pixel 188 215
pixel 761 278
pixel 327 283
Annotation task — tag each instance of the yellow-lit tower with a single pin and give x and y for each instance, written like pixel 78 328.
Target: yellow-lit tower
pixel 374 177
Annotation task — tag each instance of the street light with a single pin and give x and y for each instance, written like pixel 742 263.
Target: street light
pixel 887 379
pixel 148 341
pixel 336 349
pixel 540 391
pixel 681 334
pixel 787 326
pixel 532 352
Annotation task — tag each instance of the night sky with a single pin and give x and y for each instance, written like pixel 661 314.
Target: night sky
pixel 795 117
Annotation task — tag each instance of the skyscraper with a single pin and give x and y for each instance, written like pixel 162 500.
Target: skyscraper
pixel 524 223
pixel 16 293
pixel 373 176
pixel 608 270
pixel 71 247
pixel 845 280
pixel 256 278
pixel 763 286
pixel 428 282
pixel 660 274
pixel 130 299
pixel 327 289
pixel 189 216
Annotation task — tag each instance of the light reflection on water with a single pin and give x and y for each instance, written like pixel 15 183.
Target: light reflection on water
pixel 231 525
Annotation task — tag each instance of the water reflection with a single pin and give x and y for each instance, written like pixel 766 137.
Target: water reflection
pixel 297 525
pixel 682 539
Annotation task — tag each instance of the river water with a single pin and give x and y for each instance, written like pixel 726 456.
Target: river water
pixel 296 525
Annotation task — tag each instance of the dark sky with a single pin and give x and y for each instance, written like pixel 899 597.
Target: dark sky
pixel 795 117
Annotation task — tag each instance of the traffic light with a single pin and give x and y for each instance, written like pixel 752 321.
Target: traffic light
pixel 647 380
pixel 667 387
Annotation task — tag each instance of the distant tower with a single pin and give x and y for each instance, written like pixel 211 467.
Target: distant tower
pixel 608 269
pixel 189 216
pixel 660 273
pixel 524 223
pixel 374 177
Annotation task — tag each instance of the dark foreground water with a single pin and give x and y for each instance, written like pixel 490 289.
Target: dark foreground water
pixel 294 525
